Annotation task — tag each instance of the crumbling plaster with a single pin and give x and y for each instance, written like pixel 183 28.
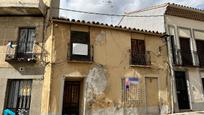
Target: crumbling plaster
pixel 111 63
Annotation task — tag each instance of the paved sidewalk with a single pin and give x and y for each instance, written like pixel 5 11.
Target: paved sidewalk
pixel 190 113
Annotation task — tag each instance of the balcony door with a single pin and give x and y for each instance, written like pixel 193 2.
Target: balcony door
pixel 138 52
pixel 200 50
pixel 185 52
pixel 25 43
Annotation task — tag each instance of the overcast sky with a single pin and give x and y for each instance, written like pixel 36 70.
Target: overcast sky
pixel 114 7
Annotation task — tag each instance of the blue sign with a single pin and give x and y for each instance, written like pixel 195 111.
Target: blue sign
pixel 9 112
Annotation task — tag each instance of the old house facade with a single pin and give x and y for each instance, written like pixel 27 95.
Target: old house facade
pixel 21 57
pixel 185 43
pixel 99 69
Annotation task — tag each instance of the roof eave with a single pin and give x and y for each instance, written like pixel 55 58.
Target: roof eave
pixel 102 25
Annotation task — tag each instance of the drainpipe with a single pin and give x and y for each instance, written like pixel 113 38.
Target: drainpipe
pixel 170 66
pixel 171 74
pixel 169 54
pixel 171 78
pixel 85 96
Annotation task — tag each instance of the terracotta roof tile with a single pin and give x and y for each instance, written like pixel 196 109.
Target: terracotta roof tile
pixel 181 11
pixel 93 23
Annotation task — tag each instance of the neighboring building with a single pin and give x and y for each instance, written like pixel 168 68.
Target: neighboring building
pixel 21 52
pixel 185 25
pixel 99 69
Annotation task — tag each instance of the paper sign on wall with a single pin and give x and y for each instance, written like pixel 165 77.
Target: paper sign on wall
pixel 79 49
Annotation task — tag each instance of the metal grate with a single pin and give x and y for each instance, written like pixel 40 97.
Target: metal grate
pixel 19 96
pixel 140 59
pixel 71 98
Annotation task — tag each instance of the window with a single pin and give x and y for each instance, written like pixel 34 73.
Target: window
pixel 185 51
pixel 18 96
pixel 203 83
pixel 138 54
pixel 132 92
pixel 173 49
pixel 25 43
pixel 80 46
pixel 200 50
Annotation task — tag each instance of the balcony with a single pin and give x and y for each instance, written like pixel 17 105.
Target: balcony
pixel 186 57
pixel 81 58
pixel 13 55
pixel 140 59
pixel 22 7
pixel 201 59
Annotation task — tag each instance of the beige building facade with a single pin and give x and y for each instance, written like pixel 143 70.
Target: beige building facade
pixel 21 55
pixel 97 69
pixel 184 25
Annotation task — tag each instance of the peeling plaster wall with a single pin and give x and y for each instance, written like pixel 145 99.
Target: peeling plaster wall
pixel 96 82
pixel 103 76
pixel 196 89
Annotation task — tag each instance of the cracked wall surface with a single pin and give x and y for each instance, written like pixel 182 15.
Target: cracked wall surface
pixel 101 79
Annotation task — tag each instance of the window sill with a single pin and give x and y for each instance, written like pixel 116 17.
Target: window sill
pixel 191 66
pixel 78 61
pixel 142 66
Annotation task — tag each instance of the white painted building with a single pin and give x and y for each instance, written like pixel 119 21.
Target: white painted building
pixel 185 25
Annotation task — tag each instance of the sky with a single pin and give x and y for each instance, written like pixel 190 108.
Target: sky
pixel 114 7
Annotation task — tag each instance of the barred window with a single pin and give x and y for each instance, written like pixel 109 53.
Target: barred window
pixel 132 93
pixel 19 96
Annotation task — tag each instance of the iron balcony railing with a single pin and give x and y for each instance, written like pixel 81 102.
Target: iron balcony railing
pixel 201 59
pixel 12 54
pixel 187 58
pixel 140 59
pixel 88 58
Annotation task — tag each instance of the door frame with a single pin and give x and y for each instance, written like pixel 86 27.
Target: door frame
pixel 158 85
pixel 71 78
pixel 188 90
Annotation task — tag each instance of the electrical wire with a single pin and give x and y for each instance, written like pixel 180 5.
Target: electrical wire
pixel 104 14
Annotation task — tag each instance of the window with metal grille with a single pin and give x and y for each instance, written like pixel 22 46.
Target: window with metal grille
pixel 18 96
pixel 132 93
pixel 80 46
pixel 25 43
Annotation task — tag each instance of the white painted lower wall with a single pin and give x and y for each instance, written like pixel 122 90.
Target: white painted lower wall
pixel 196 89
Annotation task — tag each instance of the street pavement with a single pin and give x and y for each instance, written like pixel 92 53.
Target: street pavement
pixel 190 113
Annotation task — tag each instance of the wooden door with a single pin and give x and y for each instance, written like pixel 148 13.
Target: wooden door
pixel 71 98
pixel 152 97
